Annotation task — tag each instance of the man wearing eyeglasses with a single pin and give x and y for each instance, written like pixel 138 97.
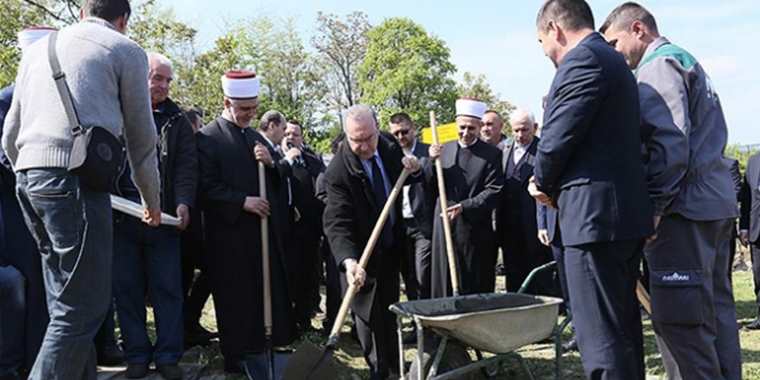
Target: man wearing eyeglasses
pixel 418 214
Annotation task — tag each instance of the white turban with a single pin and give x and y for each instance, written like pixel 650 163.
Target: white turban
pixel 240 84
pixel 470 107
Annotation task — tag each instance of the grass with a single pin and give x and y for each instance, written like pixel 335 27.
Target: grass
pixel 539 357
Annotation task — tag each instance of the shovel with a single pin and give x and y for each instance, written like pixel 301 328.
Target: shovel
pixel 309 362
pixel 269 365
pixel 453 273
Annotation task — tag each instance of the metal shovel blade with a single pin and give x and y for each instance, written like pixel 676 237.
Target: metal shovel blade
pixel 257 366
pixel 310 362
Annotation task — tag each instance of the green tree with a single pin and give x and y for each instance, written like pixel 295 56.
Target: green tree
pixel 16 15
pixel 292 78
pixel 476 86
pixel 406 69
pixel 341 45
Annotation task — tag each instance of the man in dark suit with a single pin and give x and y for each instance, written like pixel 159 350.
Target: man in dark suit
pixel 359 179
pixel 307 227
pixel 229 152
pixel 418 214
pixel 588 165
pixel 516 215
pixel 473 179
pixel 749 224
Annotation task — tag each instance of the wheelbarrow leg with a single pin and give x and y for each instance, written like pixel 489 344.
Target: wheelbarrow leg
pixel 420 349
pixel 438 357
pixel 401 364
pixel 558 347
pixel 525 367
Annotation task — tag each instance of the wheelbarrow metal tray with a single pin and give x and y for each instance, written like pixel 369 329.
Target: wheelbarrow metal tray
pixel 490 322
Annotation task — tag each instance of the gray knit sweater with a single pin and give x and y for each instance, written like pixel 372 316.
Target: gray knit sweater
pixel 108 77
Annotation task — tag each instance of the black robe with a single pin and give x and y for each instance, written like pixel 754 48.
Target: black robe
pixel 229 173
pixel 475 182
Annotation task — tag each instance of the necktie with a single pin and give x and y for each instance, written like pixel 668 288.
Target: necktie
pixel 378 188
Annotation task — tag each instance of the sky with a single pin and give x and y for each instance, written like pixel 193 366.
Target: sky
pixel 497 38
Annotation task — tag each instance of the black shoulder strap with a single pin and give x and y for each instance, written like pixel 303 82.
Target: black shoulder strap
pixel 63 88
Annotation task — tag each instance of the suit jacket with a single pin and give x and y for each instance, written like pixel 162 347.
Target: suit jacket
pixel 516 215
pixel 421 203
pixel 750 199
pixel 304 183
pixel 588 158
pixel 350 215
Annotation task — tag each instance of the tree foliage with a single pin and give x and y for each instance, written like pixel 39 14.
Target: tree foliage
pixel 476 86
pixel 341 45
pixel 16 15
pixel 408 70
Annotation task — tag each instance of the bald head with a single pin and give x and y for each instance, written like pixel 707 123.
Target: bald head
pixel 523 126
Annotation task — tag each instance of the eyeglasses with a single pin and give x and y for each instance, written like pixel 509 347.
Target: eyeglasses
pixel 401 132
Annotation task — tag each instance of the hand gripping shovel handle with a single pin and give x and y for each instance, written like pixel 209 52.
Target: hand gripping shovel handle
pixel 266 274
pixel 352 289
pixel 453 273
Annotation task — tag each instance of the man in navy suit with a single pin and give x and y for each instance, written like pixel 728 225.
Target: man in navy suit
pixel 588 166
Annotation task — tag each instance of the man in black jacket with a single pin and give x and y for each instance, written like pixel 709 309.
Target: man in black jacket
pixel 749 224
pixel 307 226
pixel 359 179
pixel 588 165
pixel 147 259
pixel 417 209
pixel 516 216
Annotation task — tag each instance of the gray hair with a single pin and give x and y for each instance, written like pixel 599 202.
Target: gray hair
pixel 161 59
pixel 359 112
pixel 625 14
pixel 522 113
pixel 271 116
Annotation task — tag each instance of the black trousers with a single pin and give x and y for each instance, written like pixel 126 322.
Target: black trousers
pixel 378 335
pixel 755 252
pixel 601 280
pixel 196 290
pixel 415 266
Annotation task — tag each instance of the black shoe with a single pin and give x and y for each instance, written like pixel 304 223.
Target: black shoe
pixel 136 370
pixel 570 345
pixel 110 356
pixel 169 371
pixel 754 325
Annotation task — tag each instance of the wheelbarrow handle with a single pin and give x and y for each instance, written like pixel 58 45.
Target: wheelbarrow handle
pixel 450 254
pixel 366 254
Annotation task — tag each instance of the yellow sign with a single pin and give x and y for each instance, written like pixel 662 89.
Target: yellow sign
pixel 446 133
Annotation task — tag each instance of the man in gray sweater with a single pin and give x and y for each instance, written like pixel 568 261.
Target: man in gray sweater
pixel 106 73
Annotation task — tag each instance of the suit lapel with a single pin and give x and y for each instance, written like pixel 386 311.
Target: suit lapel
pixel 509 163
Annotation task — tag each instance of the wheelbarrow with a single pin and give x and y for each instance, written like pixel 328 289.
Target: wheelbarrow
pixel 498 323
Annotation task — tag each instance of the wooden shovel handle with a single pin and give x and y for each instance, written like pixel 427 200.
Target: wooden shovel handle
pixel 643 296
pixel 266 275
pixel 450 254
pixel 366 254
